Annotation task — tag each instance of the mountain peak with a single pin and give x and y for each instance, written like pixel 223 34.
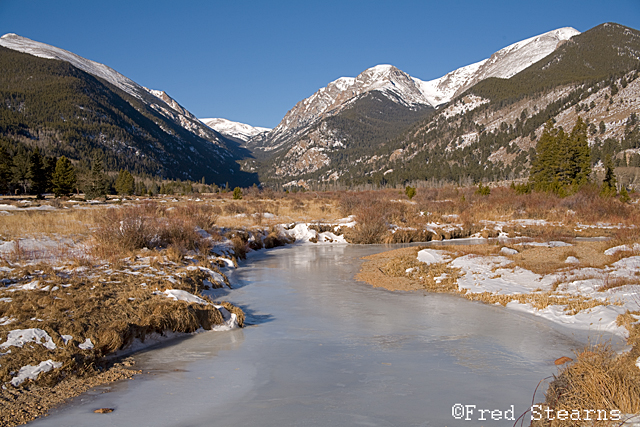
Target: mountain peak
pixel 235 130
pixel 504 64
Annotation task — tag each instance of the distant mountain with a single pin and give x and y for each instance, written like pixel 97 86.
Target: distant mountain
pixel 237 131
pixel 158 100
pixel 503 64
pixel 490 131
pixel 56 105
pixel 330 128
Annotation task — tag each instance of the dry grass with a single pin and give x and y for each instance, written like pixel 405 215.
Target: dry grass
pixel 110 307
pixel 124 230
pixel 71 222
pixel 598 379
pixel 541 260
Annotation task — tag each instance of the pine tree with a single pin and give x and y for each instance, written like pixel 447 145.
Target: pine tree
pixel 153 189
pixel 6 163
pixel 545 166
pixel 410 192
pixel 20 169
pixel 562 161
pixel 624 195
pixel 581 154
pixel 37 174
pixel 237 193
pixel 64 177
pixel 610 182
pixel 141 188
pixel 96 185
pixel 125 184
pixel 49 168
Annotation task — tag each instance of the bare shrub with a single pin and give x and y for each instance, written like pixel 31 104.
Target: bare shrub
pixel 202 215
pixel 234 208
pixel 371 224
pixel 121 231
pixel 240 245
pixel 275 239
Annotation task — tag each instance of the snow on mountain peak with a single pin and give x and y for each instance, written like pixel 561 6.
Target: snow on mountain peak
pixel 159 101
pixel 236 130
pixel 43 50
pixel 504 64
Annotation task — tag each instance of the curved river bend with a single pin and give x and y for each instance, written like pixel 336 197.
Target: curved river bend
pixel 325 350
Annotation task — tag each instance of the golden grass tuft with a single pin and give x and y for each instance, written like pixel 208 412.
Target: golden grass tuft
pixel 598 379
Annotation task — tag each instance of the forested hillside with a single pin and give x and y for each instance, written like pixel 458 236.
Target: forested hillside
pixel 62 110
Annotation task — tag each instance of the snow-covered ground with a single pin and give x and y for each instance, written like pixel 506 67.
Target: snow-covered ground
pixel 498 275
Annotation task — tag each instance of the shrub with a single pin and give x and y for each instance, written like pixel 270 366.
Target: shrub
pixel 483 190
pixel 410 192
pixel 137 226
pixel 237 193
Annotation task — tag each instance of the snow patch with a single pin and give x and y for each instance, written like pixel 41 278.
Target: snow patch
pixel 31 372
pixel 19 337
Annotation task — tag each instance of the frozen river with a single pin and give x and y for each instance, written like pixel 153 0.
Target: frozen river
pixel 325 350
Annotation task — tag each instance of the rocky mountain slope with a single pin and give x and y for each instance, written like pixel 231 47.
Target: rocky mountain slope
pixel 503 64
pixel 490 131
pixel 376 106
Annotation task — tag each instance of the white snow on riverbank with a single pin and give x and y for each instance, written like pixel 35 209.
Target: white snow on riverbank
pixel 497 275
pixel 304 233
pixel 31 372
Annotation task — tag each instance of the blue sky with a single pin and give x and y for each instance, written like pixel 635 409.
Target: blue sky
pixel 251 61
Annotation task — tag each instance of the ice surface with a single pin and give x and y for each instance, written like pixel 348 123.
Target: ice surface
pixel 327 350
pixel 180 295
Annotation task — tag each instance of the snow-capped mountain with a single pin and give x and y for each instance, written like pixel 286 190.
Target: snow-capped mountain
pixel 406 90
pixel 503 64
pixel 393 83
pixel 159 100
pixel 235 130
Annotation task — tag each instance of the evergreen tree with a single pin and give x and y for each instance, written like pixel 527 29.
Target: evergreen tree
pixel 37 174
pixel 64 177
pixel 49 168
pixel 96 185
pixel 141 188
pixel 410 192
pixel 125 184
pixel 580 164
pixel 545 164
pixel 6 163
pixel 624 195
pixel 153 189
pixel 562 161
pixel 609 183
pixel 20 169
